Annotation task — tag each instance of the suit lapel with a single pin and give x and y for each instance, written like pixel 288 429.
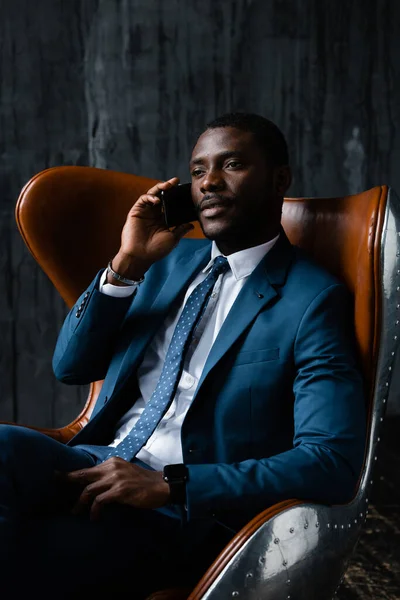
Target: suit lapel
pixel 259 291
pixel 178 280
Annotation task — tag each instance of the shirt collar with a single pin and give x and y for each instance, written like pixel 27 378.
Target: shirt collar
pixel 244 262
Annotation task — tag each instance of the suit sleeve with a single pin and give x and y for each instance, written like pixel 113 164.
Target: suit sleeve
pixel 86 341
pixel 329 427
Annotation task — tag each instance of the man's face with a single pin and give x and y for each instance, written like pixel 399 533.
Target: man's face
pixel 233 188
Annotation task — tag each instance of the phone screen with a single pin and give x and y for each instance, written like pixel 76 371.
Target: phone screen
pixel 178 205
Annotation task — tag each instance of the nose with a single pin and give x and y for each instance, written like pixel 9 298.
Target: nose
pixel 212 182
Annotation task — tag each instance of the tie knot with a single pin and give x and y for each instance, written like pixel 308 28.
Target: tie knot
pixel 220 265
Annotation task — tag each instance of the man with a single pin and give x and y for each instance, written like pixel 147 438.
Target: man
pixel 232 360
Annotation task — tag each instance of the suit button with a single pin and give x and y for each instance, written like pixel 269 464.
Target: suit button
pixel 87 294
pixel 78 313
pixel 192 450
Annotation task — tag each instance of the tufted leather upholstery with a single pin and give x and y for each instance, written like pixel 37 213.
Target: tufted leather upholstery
pixel 341 233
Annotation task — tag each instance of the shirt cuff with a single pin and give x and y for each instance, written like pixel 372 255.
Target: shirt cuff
pixel 118 291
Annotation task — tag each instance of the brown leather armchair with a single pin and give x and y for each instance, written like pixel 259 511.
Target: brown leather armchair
pixel 295 549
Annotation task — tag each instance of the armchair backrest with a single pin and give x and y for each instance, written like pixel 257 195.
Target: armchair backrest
pixel 71 219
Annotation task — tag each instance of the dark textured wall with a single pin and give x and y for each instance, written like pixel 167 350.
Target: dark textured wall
pixel 127 84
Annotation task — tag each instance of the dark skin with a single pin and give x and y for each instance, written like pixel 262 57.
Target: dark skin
pixel 238 194
pixel 117 481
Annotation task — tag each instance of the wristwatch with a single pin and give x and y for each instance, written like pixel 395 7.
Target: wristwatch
pixel 176 476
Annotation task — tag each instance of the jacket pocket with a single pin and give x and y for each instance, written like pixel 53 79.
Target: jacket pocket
pixel 255 356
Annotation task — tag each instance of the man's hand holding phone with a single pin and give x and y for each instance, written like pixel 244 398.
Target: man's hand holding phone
pixel 146 238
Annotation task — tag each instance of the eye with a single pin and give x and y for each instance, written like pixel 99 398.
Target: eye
pixel 196 172
pixel 234 164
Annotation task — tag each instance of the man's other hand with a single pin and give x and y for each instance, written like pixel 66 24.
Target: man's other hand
pixel 118 481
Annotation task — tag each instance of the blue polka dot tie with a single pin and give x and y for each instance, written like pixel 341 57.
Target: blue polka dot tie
pixel 165 390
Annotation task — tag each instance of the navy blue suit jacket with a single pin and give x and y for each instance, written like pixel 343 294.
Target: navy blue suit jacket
pixel 279 409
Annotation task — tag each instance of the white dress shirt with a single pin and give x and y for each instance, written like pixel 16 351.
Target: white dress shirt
pixel 164 446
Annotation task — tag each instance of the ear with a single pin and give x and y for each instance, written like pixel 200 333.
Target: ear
pixel 282 179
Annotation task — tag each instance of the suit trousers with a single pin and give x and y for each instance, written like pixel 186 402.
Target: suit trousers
pixel 44 547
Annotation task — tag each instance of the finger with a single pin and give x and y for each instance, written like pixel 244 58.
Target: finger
pixel 84 476
pixel 98 503
pixel 164 185
pixel 149 199
pixel 85 499
pixel 87 495
pixel 148 208
pixel 181 230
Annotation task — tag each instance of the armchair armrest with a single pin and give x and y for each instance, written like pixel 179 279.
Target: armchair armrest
pixel 293 546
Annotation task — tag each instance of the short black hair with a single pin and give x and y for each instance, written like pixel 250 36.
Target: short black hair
pixel 268 135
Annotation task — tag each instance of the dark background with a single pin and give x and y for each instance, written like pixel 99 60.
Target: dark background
pixel 127 85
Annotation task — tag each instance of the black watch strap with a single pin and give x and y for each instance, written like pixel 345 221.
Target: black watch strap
pixel 176 476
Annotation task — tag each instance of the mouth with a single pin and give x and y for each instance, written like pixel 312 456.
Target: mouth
pixel 214 207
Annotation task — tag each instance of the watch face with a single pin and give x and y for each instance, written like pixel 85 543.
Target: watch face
pixel 175 472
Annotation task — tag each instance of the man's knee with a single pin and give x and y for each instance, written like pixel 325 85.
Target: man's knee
pixel 8 435
pixel 15 439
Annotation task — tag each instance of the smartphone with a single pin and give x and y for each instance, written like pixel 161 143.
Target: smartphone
pixel 178 205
